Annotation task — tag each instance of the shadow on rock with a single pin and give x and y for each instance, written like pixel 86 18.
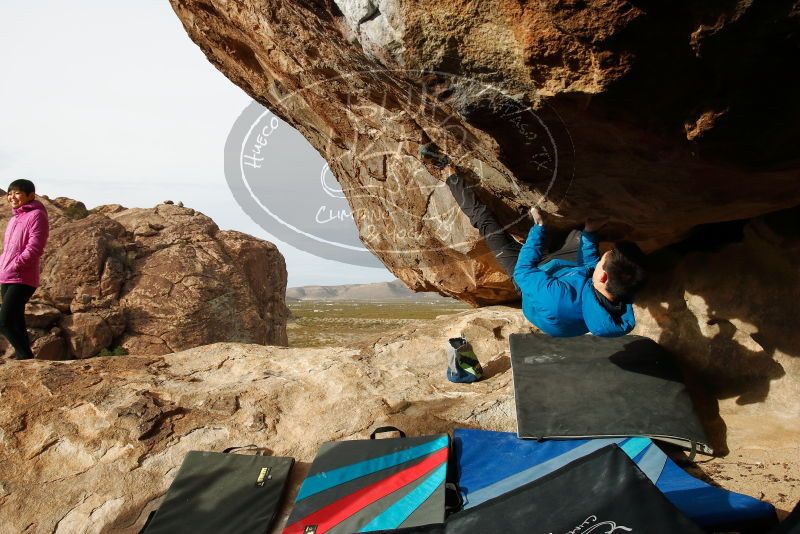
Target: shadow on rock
pixel 724 302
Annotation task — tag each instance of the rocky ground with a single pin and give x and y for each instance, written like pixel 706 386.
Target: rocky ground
pixel 92 445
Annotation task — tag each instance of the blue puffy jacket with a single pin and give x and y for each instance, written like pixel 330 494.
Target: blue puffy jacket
pixel 558 297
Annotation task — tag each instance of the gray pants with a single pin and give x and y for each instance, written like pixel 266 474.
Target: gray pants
pixel 504 247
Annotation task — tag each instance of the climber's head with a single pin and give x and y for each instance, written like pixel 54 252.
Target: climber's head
pixel 620 273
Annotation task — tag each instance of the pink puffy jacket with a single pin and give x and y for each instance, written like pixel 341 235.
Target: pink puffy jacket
pixel 26 236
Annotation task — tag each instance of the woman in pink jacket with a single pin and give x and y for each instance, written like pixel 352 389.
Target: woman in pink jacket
pixel 26 236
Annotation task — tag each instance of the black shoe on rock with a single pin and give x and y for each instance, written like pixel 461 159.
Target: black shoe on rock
pixel 431 154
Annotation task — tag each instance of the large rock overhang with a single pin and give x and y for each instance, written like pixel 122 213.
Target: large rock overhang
pixel 661 118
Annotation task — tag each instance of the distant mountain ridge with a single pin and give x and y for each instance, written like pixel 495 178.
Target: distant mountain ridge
pixel 379 291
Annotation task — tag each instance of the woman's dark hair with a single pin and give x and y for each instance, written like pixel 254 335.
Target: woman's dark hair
pixel 625 267
pixel 26 186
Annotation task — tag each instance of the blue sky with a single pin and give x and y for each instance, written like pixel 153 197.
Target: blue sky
pixel 111 102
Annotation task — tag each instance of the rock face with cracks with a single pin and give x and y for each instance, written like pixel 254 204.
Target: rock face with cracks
pixel 662 116
pixel 151 281
pixel 91 446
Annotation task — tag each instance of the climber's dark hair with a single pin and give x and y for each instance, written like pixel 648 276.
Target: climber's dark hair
pixel 26 186
pixel 625 267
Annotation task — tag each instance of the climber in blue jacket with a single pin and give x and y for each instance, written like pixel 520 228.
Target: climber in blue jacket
pixel 592 294
pixel 562 297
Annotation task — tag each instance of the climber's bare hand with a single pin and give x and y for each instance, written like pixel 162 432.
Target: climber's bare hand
pixel 537 215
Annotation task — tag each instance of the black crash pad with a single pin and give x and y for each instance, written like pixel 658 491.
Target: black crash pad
pixel 216 492
pixel 588 386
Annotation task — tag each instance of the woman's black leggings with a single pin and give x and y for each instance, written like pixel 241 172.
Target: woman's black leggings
pixel 12 317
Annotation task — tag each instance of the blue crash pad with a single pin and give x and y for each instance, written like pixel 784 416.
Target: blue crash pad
pixel 492 463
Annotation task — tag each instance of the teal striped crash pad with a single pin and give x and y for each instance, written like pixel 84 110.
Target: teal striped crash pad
pixel 370 485
pixel 490 464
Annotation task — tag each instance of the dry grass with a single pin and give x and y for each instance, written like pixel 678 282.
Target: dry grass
pixel 343 323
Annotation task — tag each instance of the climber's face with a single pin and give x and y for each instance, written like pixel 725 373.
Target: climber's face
pixel 600 276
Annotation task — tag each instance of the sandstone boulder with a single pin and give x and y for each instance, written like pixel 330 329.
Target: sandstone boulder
pixel 75 261
pixel 657 116
pixel 200 283
pixel 50 346
pixel 86 334
pixel 40 315
pixel 151 281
